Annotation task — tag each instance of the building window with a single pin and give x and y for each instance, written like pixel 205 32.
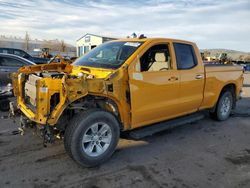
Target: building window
pixel 87 39
pixel 86 49
pixel 80 51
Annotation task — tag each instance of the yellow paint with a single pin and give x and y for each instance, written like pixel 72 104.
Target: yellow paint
pixel 154 96
pixel 97 72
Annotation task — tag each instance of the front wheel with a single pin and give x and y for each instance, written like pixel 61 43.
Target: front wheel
pixel 91 137
pixel 224 106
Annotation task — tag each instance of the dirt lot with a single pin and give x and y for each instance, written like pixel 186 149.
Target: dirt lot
pixel 204 154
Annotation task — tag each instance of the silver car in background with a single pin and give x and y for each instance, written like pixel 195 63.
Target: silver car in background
pixel 8 64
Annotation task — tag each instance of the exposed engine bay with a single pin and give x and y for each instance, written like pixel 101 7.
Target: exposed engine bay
pixel 47 74
pixel 30 86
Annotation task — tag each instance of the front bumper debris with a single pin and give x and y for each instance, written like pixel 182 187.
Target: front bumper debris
pixel 13 109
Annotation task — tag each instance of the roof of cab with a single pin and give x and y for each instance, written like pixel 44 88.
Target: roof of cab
pixel 154 39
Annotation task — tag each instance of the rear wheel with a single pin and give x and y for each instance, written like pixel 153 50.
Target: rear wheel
pixel 224 106
pixel 91 137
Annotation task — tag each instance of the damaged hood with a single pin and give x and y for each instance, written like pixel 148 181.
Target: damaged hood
pixel 95 72
pixel 68 69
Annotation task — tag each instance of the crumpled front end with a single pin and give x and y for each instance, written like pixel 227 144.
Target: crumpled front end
pixel 42 96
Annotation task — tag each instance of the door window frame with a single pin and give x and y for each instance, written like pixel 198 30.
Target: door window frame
pixel 193 55
pixel 173 66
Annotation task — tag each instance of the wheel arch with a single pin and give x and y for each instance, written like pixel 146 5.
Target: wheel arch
pixel 228 87
pixel 232 88
pixel 93 101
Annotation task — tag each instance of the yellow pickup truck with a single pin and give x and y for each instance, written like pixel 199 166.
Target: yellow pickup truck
pixel 124 85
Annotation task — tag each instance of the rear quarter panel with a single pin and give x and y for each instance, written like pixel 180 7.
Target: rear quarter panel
pixel 218 76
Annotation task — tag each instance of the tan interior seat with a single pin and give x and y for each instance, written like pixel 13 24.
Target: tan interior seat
pixel 160 62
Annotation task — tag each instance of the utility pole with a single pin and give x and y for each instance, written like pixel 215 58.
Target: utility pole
pixel 26 41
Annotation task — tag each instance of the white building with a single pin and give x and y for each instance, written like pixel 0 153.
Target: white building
pixel 90 41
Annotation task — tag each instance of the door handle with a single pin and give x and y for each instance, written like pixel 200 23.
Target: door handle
pixel 173 78
pixel 198 76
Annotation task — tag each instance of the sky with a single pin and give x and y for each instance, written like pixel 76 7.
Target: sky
pixel 209 23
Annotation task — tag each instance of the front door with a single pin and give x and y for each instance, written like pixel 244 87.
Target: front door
pixel 154 86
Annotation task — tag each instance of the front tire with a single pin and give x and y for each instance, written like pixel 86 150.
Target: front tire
pixel 224 106
pixel 91 137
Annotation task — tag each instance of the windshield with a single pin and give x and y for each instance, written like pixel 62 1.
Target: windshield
pixel 108 55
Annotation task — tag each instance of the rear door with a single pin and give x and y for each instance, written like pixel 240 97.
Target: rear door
pixel 4 71
pixel 191 71
pixel 8 65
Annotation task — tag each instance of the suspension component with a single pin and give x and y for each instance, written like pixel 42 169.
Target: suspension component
pixel 48 136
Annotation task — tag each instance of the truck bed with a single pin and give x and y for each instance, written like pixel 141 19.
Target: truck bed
pixel 213 68
pixel 216 75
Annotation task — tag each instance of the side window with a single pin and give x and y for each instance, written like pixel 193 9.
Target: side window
pixel 10 62
pixel 4 51
pixel 156 58
pixel 185 56
pixel 19 53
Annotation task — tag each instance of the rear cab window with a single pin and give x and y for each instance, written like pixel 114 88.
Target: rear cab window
pixel 185 56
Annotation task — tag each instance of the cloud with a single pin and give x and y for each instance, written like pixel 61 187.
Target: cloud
pixel 212 24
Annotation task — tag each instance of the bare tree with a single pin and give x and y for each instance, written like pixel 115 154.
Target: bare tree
pixel 247 58
pixel 26 41
pixel 63 46
pixel 207 53
pixel 241 57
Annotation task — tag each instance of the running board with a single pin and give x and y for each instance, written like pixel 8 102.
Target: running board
pixel 162 126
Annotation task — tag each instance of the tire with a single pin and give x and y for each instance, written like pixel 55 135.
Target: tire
pixel 91 137
pixel 4 105
pixel 223 107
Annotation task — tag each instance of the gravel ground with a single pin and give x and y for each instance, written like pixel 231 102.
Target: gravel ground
pixel 203 154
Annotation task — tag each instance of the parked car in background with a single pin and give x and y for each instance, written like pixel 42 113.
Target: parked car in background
pixel 5 93
pixel 246 67
pixel 23 54
pixel 8 64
